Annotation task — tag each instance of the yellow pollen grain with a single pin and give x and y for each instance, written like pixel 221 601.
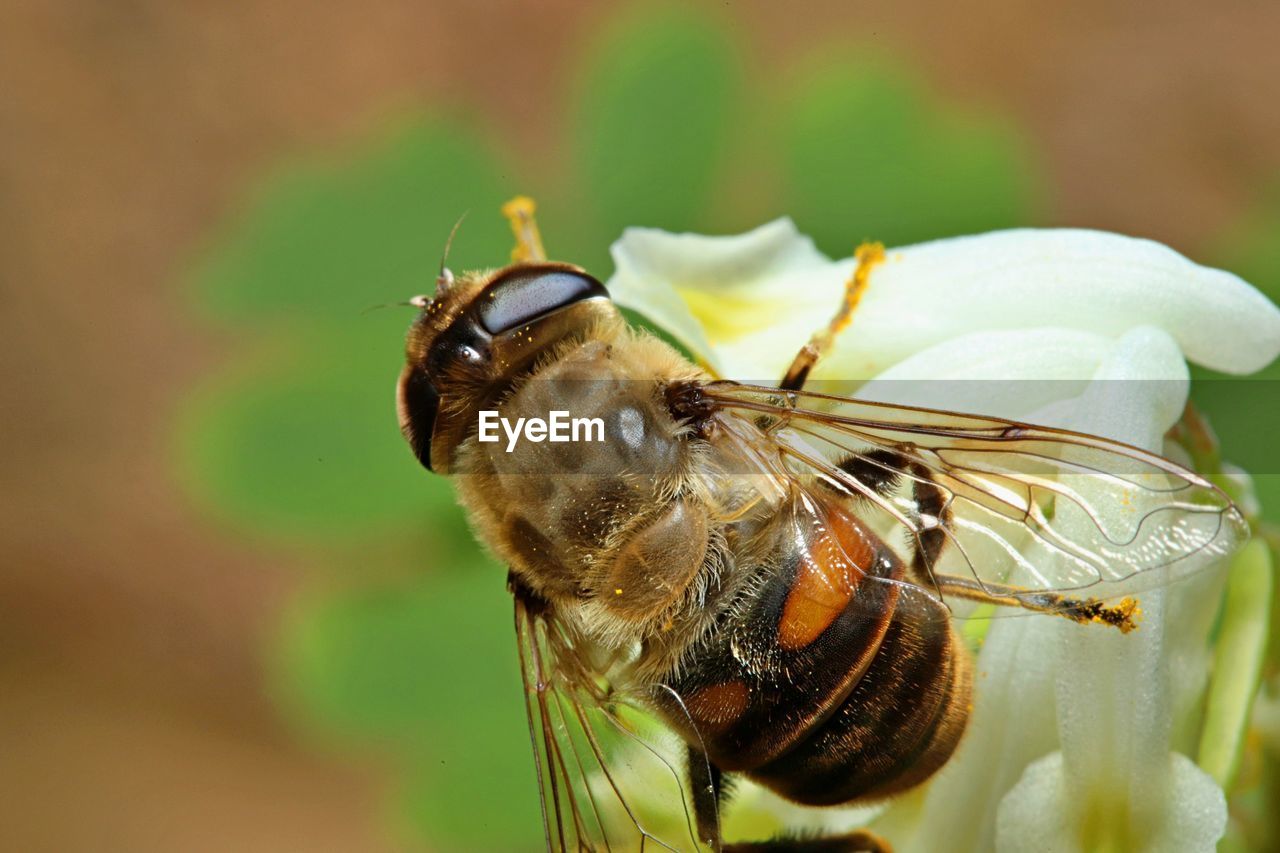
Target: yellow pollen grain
pixel 1132 613
pixel 1124 615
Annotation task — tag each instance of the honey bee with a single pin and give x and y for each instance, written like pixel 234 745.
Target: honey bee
pixel 771 573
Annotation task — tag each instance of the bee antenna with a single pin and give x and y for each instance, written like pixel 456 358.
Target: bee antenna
pixel 418 302
pixel 445 279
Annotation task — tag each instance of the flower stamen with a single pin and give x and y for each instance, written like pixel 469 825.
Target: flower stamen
pixel 519 212
pixel 868 256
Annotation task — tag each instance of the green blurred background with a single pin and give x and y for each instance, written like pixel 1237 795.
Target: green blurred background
pixel 234 613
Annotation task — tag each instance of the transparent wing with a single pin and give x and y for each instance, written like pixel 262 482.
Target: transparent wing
pixel 1006 510
pixel 610 777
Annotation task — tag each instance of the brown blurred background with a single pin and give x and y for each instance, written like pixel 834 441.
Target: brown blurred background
pixel 135 712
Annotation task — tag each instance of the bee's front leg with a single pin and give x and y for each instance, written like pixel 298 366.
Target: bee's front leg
pixel 707 783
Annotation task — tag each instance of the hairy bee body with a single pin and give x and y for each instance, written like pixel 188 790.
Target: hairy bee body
pixel 747 629
pixel 613 534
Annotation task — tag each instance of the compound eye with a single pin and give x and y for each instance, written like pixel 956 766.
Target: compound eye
pixel 525 294
pixel 418 403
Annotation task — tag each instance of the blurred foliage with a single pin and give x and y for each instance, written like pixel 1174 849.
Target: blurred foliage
pixel 868 155
pixel 296 441
pixel 427 668
pixel 659 101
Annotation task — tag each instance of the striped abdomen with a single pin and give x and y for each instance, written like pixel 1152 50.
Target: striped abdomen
pixel 830 682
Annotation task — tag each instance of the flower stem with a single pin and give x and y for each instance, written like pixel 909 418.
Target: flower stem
pixel 1237 667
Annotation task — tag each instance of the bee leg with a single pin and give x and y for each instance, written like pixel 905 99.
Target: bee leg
pixel 858 841
pixel 882 471
pixel 931 505
pixel 868 256
pixel 1122 615
pixel 707 783
pixel 933 516
pixel 710 791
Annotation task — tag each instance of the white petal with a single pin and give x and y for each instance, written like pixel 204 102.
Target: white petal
pixel 714 263
pixel 1114 707
pixel 1066 378
pixel 1037 814
pixel 701 288
pixel 1115 711
pixel 1107 698
pixel 763 358
pixel 1117 695
pixel 1079 279
pixel 1007 374
pixel 1139 390
pixel 1115 783
pixel 1040 814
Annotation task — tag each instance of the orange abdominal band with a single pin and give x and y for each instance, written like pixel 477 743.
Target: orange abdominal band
pixel 827 577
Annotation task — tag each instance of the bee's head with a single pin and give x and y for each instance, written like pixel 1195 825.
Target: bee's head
pixel 476 337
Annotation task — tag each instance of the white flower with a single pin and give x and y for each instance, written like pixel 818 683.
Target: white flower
pixel 1079 738
pixel 1082 720
pixel 745 304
